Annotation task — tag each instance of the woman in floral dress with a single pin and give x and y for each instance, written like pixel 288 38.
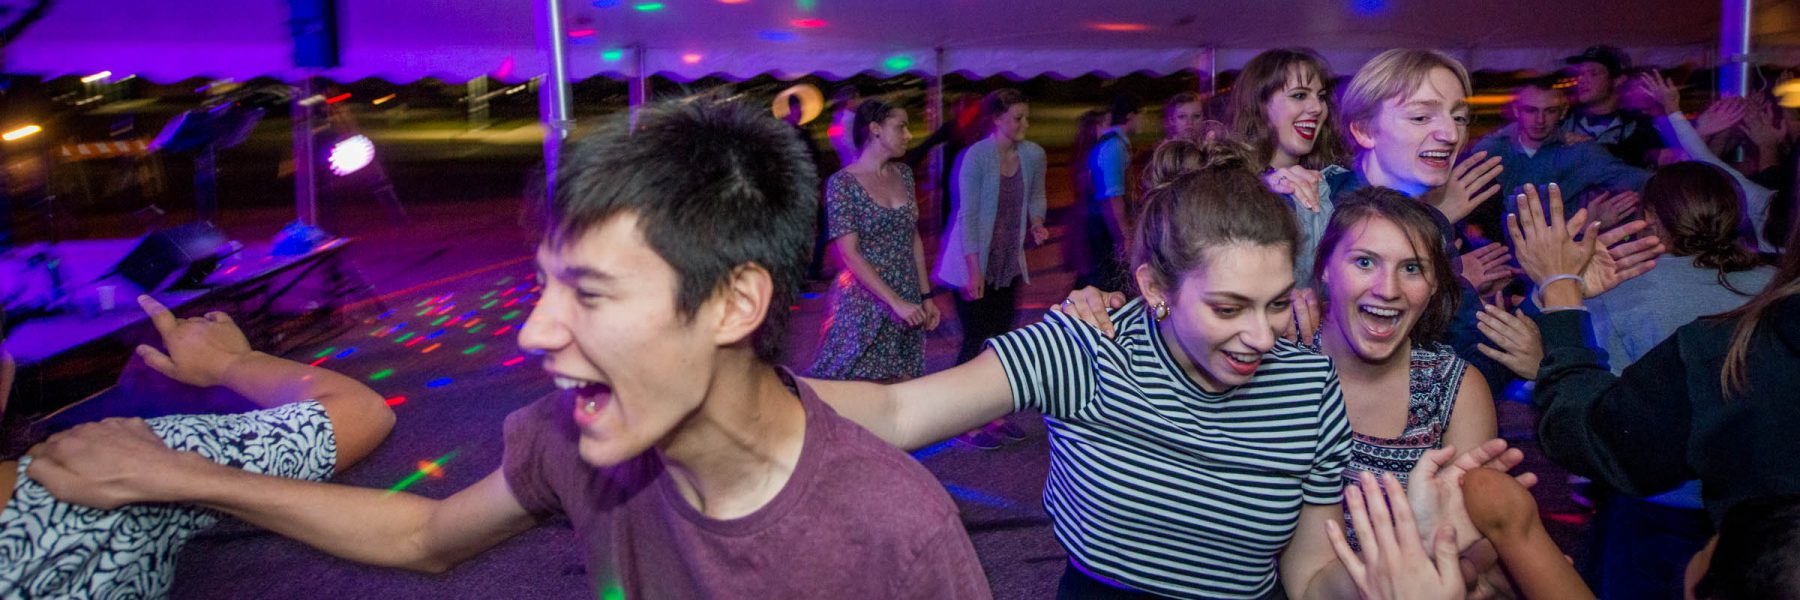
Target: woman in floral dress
pixel 880 307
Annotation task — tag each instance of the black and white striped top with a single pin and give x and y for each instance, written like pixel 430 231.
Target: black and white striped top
pixel 1161 486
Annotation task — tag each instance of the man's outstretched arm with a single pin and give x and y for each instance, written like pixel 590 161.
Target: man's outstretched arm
pixel 120 461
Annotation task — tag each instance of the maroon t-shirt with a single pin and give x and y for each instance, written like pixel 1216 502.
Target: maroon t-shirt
pixel 857 519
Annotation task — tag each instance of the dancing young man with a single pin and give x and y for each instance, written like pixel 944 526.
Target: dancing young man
pixel 689 463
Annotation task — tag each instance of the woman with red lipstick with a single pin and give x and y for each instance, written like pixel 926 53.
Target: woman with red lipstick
pixel 1280 107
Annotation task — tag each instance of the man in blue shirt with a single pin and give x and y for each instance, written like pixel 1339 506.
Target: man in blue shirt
pixel 1107 164
pixel 1534 149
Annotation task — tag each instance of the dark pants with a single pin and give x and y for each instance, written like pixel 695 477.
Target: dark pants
pixel 1078 585
pixel 1105 267
pixel 990 316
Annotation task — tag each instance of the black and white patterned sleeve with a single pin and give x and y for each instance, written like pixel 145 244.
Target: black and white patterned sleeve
pixel 1049 365
pixel 292 440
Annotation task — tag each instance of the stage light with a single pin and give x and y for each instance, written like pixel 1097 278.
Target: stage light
pixel 605 3
pixel 338 98
pixel 14 135
pixel 808 23
pixel 383 99
pixel 812 102
pixel 690 58
pixel 614 55
pixel 101 76
pixel 776 36
pixel 806 5
pixel 581 33
pixel 898 63
pixel 1120 26
pixel 733 1
pixel 648 6
pixel 351 155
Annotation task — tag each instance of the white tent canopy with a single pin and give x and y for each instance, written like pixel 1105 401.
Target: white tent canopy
pixel 403 40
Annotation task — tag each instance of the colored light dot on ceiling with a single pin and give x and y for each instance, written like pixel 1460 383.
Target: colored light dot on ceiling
pixel 806 5
pixel 808 23
pixel 898 63
pixel 581 33
pixel 733 1
pixel 648 6
pixel 1120 26
pixel 382 374
pixel 690 58
pixel 776 36
pixel 440 382
pixel 605 3
pixel 473 349
pixel 396 401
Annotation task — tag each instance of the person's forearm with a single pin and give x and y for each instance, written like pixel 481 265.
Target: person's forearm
pixel 865 273
pixel 273 381
pixel 1538 566
pixel 364 525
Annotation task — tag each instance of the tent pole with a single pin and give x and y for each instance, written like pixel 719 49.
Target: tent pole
pixel 1212 72
pixel 554 96
pixel 1734 47
pixel 934 118
pixel 306 191
pixel 637 87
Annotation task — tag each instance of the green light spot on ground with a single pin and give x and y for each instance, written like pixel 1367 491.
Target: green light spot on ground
pixel 382 374
pixel 475 348
pixel 510 316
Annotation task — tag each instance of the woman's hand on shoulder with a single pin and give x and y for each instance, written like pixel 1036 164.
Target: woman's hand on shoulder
pixel 1090 305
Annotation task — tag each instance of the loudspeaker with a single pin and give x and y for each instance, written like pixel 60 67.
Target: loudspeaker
pixel 314 25
pixel 192 250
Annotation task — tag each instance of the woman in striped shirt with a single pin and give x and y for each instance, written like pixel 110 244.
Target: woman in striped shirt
pixel 1189 449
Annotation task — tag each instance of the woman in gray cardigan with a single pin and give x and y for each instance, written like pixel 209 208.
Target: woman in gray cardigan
pixel 999 200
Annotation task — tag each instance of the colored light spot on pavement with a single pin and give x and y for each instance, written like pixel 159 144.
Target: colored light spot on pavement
pixel 502 331
pixel 473 349
pixel 324 352
pixel 396 401
pixel 437 465
pixel 346 352
pixel 439 321
pixel 428 349
pixel 382 374
pixel 510 316
pixel 321 359
pixel 490 304
pixel 439 382
pixel 402 339
pixel 477 329
pixel 513 361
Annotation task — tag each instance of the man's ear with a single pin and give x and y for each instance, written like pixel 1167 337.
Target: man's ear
pixel 742 304
pixel 1364 134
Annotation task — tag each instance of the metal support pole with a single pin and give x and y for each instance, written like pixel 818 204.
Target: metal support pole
pixel 637 87
pixel 1734 47
pixel 478 103
pixel 934 118
pixel 1212 72
pixel 306 191
pixel 554 100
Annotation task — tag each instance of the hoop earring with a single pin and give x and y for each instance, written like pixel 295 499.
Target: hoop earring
pixel 1161 311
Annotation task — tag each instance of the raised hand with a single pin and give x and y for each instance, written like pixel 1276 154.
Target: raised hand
pixel 1618 262
pixel 200 349
pixel 1723 114
pixel 1667 96
pixel 1471 183
pixel 1612 208
pixel 1394 564
pixel 1486 268
pixel 1541 240
pixel 1517 344
pixel 1090 305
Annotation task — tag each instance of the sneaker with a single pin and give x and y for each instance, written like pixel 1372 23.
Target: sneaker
pixel 1006 430
pixel 980 438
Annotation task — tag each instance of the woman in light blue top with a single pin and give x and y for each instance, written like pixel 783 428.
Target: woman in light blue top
pixel 999 200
